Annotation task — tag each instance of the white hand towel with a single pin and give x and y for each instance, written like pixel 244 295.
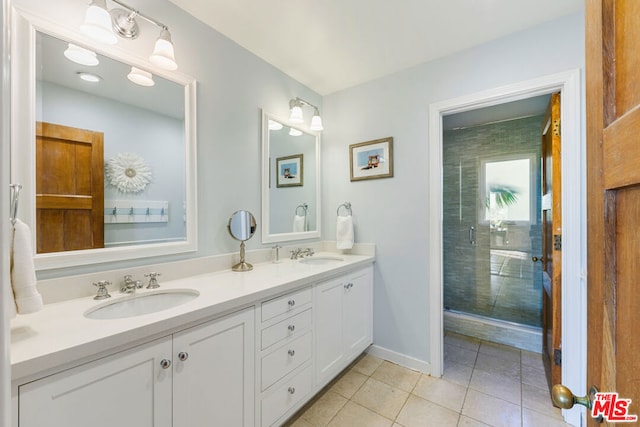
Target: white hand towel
pixel 344 232
pixel 299 223
pixel 23 272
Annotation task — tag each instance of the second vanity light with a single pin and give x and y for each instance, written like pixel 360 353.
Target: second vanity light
pixel 296 114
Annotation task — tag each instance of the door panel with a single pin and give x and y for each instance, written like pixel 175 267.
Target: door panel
pixel 613 196
pixel 69 188
pixel 552 227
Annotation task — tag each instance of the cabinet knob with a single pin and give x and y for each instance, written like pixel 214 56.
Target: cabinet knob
pixel 348 286
pixel 183 355
pixel 291 352
pixel 292 302
pixel 292 328
pixel 165 363
pixel 291 390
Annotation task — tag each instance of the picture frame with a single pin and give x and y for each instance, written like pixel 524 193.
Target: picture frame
pixel 371 159
pixel 290 171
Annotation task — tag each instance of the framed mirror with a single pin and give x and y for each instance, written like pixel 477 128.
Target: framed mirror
pixel 107 167
pixel 290 181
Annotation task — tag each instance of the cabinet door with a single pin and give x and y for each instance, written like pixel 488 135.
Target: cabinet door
pixel 329 298
pixel 129 389
pixel 214 373
pixel 357 313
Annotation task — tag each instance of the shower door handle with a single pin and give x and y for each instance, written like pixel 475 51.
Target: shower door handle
pixel 472 235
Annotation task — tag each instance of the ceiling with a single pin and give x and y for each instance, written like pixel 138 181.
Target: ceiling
pixel 330 45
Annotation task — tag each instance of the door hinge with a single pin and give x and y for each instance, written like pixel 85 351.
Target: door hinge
pixel 557 242
pixel 556 127
pixel 557 357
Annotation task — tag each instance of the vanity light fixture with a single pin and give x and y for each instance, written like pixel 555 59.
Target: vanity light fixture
pixel 81 56
pixel 295 132
pixel 141 77
pixel 273 125
pixel 88 77
pixel 103 25
pixel 296 114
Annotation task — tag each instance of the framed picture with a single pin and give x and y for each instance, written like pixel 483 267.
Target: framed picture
pixel 371 159
pixel 290 171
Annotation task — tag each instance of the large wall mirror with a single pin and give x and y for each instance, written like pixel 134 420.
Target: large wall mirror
pixel 290 181
pixel 108 166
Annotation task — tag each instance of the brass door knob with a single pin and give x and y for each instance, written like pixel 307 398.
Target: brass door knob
pixel 537 259
pixel 565 399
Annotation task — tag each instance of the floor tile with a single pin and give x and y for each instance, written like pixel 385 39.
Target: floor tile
pixel 381 398
pixel 534 376
pixel 539 400
pixel 457 373
pixel 470 422
pixel 355 415
pixel 500 350
pixel 419 413
pixel 349 383
pixel 444 393
pixel 468 343
pixel 496 385
pixel 460 355
pixel 324 409
pixel 396 376
pixel 531 359
pixel 498 365
pixel 299 423
pixel 491 410
pixel 367 364
pixel 531 418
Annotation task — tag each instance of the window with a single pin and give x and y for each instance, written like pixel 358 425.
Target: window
pixel 507 191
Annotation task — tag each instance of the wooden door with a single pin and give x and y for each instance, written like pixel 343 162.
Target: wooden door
pixel 551 241
pixel 69 188
pixel 613 197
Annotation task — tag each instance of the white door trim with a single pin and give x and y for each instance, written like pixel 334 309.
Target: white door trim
pixel 573 216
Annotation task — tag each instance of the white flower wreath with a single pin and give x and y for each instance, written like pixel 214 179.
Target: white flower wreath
pixel 128 172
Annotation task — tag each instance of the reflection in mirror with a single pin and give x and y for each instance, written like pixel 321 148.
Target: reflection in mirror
pixel 242 226
pixel 112 173
pixel 291 164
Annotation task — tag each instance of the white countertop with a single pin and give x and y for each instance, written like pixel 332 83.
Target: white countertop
pixel 60 335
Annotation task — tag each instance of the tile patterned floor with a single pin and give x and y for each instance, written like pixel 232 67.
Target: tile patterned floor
pixel 484 384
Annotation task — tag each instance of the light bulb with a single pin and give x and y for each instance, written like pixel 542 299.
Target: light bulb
pixel 97 23
pixel 163 54
pixel 140 77
pixel 81 56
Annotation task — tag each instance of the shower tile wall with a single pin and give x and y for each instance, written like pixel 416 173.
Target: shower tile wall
pixel 494 277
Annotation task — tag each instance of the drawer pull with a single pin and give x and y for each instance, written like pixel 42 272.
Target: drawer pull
pixel 165 363
pixel 348 286
pixel 291 390
pixel 292 302
pixel 292 328
pixel 291 352
pixel 183 355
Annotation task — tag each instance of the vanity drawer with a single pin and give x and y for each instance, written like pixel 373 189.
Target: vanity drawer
pixel 285 359
pixel 285 303
pixel 285 397
pixel 289 327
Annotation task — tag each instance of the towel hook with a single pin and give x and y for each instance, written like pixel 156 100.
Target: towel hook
pixel 15 198
pixel 347 206
pixel 304 207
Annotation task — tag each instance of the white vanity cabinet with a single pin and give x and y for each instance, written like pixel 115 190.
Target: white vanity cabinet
pixel 343 322
pixel 285 351
pixel 196 377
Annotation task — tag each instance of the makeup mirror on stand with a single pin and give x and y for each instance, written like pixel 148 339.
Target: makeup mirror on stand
pixel 242 226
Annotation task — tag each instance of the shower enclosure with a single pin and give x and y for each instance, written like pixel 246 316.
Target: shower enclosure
pixel 491 221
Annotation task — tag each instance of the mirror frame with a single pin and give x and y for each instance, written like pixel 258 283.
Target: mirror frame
pixel 267 236
pixel 23 118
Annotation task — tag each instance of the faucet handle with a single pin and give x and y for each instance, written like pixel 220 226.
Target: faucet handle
pixel 102 293
pixel 153 281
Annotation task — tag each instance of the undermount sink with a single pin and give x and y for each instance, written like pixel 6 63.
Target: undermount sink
pixel 137 305
pixel 321 260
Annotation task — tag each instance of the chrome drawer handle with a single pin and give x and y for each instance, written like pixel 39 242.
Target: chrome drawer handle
pixel 348 286
pixel 183 355
pixel 291 390
pixel 292 302
pixel 165 363
pixel 291 352
pixel 292 328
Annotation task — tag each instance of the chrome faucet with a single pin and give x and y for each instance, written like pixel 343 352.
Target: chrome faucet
pixel 129 285
pixel 301 253
pixel 153 281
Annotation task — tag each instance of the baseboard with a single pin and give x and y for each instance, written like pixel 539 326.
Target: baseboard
pixel 400 359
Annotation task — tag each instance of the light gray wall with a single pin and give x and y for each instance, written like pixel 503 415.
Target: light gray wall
pixel 392 212
pixel 233 86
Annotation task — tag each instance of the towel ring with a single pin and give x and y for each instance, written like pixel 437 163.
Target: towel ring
pixel 304 207
pixel 15 198
pixel 347 206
